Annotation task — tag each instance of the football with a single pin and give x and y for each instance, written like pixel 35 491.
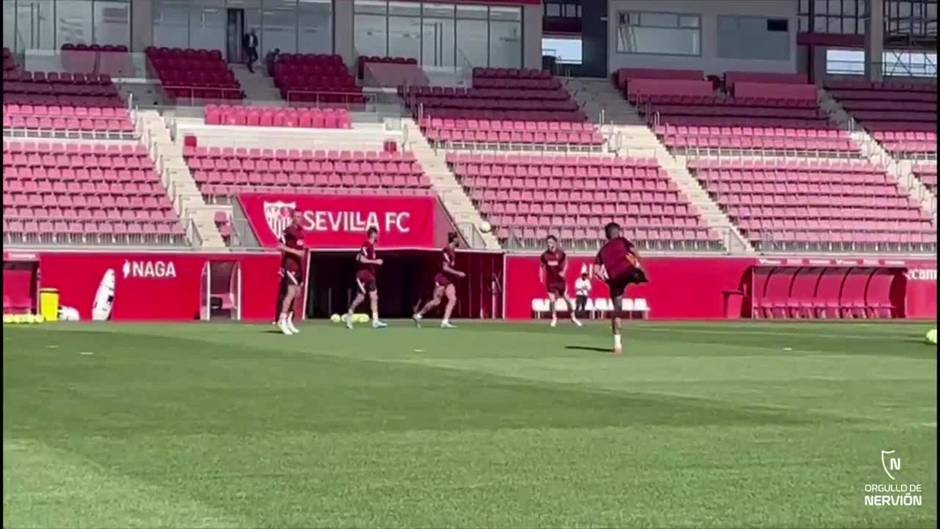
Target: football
pixel 335 318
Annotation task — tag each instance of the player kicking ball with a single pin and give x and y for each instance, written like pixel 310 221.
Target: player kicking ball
pixel 444 285
pixel 618 265
pixel 554 266
pixel 292 255
pixel 366 261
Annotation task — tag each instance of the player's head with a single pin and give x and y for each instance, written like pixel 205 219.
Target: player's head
pixel 552 242
pixel 373 234
pixel 612 230
pixel 296 217
pixel 453 240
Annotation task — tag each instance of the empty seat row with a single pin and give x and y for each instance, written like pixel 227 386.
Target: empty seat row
pixel 36 160
pixel 193 74
pixel 276 166
pixel 88 124
pixel 257 153
pixel 79 175
pixel 278 117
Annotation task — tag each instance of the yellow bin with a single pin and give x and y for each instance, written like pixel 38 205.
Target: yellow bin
pixel 49 304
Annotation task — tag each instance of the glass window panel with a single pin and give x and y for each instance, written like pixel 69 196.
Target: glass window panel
pixel 404 37
pixel 663 20
pixel 171 24
pixel 316 26
pixel 73 22
pixel 35 26
pixel 278 30
pixel 661 41
pixel 207 27
pixel 472 12
pixel 506 13
pixel 471 42
pixel 438 11
pixel 438 37
pixel 112 23
pixel 404 9
pixel 9 24
pixel 689 21
pixel 373 7
pixel 553 10
pixel 370 35
pixel 505 44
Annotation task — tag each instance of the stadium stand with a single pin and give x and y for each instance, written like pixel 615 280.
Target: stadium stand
pixel 193 75
pixel 364 60
pixel 317 80
pixel 222 172
pixel 902 117
pixel 9 61
pixel 526 197
pixel 755 113
pixel 505 107
pixel 815 205
pixel 63 102
pixel 85 194
pixel 278 117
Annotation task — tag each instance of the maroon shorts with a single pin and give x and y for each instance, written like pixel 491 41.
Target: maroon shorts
pixel 365 280
pixel 556 287
pixel 617 287
pixel 442 279
pixel 290 275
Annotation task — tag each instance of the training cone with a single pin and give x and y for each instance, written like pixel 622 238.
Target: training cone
pixel 932 336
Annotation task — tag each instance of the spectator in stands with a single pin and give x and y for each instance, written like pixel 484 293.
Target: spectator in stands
pixel 270 59
pixel 250 43
pixel 582 290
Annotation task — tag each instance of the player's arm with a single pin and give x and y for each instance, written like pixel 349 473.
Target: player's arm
pixel 365 260
pixel 634 258
pixel 451 270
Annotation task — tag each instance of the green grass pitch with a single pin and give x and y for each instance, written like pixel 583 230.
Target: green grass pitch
pixel 490 425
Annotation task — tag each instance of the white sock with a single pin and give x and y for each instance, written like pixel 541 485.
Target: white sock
pixel 375 316
pixel 617 343
pixel 290 315
pixel 282 318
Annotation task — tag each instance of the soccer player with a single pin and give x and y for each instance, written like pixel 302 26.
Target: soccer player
pixel 292 255
pixel 552 272
pixel 365 280
pixel 618 265
pixel 444 284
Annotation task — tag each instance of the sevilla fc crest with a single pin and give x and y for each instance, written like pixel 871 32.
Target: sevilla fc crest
pixel 278 216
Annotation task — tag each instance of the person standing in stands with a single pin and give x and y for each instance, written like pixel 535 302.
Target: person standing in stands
pixel 250 43
pixel 582 291
pixel 270 59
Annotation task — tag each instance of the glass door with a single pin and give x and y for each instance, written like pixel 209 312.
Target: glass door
pixel 234 32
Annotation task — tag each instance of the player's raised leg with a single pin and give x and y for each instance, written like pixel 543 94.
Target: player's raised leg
pixel 360 297
pixel 433 302
pixel 451 292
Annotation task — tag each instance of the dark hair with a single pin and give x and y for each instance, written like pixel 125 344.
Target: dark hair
pixel 551 238
pixel 372 230
pixel 451 237
pixel 609 228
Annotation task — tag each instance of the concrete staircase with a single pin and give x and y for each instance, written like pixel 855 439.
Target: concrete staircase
pixel 259 88
pixel 900 170
pixel 445 184
pixel 640 141
pixel 602 102
pixel 197 218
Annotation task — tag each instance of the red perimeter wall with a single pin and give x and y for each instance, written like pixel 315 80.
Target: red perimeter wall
pixel 680 288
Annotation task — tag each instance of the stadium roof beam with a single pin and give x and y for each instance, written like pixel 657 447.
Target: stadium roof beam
pixel 874 40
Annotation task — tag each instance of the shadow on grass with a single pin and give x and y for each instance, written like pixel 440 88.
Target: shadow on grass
pixel 589 348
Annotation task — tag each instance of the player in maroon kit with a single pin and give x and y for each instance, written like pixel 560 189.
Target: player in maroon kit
pixel 292 255
pixel 444 284
pixel 618 265
pixel 552 272
pixel 366 261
